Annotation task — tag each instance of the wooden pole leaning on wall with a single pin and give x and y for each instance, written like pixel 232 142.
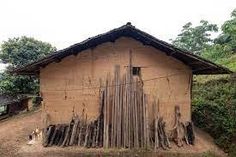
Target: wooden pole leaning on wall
pixel 129 103
pixel 113 114
pixel 74 130
pixel 125 123
pixel 116 99
pixel 119 106
pixel 182 130
pixel 105 112
pixel 101 116
pixel 136 122
pixel 156 126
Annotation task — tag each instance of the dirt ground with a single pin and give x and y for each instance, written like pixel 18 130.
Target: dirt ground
pixel 15 130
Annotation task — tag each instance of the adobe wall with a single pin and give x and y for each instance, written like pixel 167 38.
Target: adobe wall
pixel 71 85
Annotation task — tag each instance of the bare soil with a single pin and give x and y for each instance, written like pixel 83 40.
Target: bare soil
pixel 14 133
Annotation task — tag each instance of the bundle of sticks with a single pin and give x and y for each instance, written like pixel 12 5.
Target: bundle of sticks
pixel 182 132
pixel 159 135
pixel 77 132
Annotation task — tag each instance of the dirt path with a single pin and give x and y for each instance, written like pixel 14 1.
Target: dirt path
pixel 15 130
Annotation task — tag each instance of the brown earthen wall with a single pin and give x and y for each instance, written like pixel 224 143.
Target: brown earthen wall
pixel 71 85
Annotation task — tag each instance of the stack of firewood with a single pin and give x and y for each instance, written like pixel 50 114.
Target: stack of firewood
pixel 78 132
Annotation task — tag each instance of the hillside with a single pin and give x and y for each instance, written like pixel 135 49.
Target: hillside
pixel 214 104
pixel 229 62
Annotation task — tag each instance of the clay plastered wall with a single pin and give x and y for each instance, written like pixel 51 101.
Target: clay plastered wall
pixel 71 85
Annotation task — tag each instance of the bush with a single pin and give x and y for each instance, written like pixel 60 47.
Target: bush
pixel 232 150
pixel 214 110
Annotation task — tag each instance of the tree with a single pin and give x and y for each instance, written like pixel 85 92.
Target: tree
pixel 195 39
pixel 17 52
pixel 214 99
pixel 228 35
pixel 216 52
pixel 223 51
pixel 14 85
pixel 20 51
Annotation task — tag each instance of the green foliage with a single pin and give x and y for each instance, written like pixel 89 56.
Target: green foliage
pixel 221 50
pixel 214 97
pixel 224 50
pixel 20 51
pixel 214 109
pixel 14 85
pixel 195 39
pixel 229 62
pixel 228 35
pixel 216 52
pixel 221 54
pixel 17 52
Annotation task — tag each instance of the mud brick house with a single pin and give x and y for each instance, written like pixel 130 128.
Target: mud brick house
pixel 71 80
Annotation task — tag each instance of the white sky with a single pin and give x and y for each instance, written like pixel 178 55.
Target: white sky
pixel 66 22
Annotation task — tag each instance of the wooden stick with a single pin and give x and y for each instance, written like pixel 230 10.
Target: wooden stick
pixel 118 113
pixel 113 115
pixel 136 137
pixel 53 135
pixel 81 127
pixel 63 135
pixel 74 130
pixel 47 135
pixel 86 136
pixel 94 133
pixel 66 136
pixel 108 111
pixel 156 133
